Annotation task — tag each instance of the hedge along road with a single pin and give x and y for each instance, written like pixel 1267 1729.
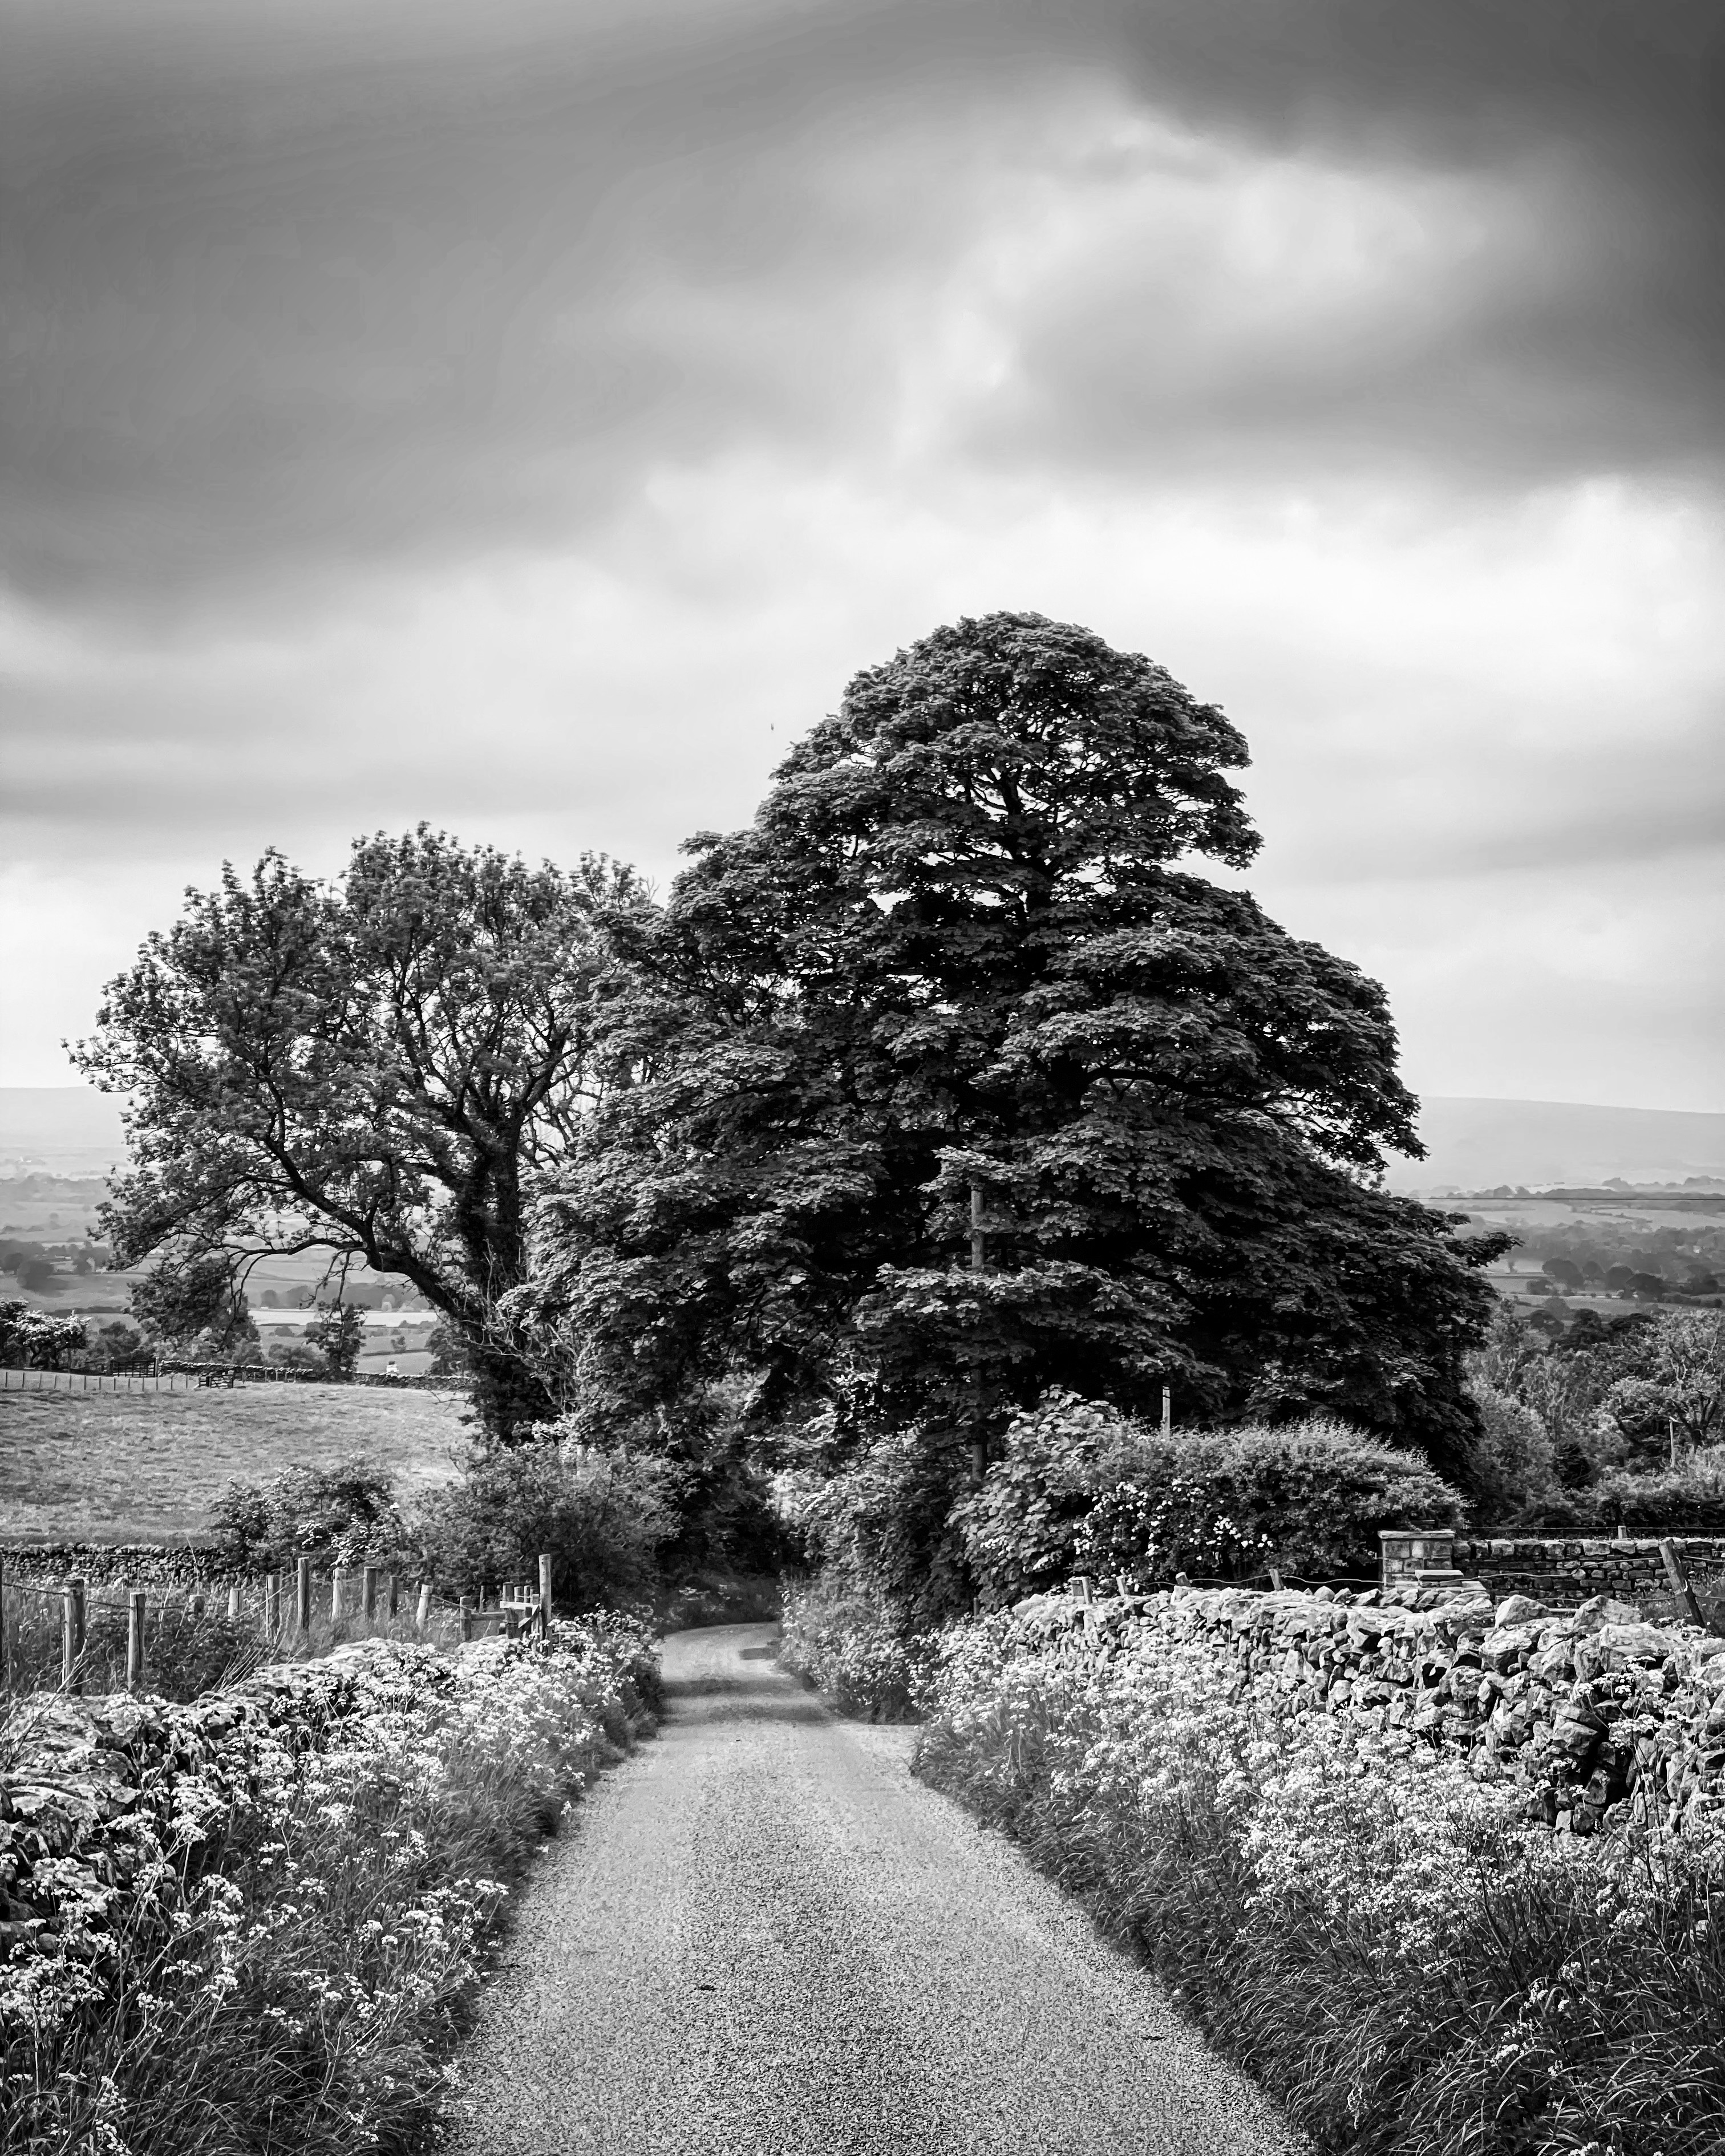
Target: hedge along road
pixel 761 1934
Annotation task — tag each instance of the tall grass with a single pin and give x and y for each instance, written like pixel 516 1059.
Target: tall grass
pixel 191 1646
pixel 1391 1948
pixel 273 1947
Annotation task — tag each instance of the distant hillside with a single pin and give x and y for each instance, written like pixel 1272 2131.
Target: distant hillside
pixel 1473 1145
pixel 1476 1145
pixel 69 1130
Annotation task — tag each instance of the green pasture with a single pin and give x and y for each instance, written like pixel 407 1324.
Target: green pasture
pixel 124 1467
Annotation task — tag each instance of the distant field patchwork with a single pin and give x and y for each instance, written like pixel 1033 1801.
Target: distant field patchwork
pixel 146 1467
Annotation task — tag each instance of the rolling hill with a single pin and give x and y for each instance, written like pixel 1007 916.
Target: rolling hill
pixel 1473 1144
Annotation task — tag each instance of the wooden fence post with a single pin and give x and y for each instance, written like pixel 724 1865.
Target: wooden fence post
pixel 5 1636
pixel 422 1615
pixel 233 1603
pixel 1679 1582
pixel 338 1593
pixel 545 1594
pixel 392 1605
pixel 71 1630
pixel 466 1615
pixel 272 1605
pixel 302 1596
pixel 368 1591
pixel 135 1639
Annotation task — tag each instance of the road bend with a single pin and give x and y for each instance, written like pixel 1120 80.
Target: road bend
pixel 761 1934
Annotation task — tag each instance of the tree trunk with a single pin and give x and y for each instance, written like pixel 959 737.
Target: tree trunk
pixel 509 1397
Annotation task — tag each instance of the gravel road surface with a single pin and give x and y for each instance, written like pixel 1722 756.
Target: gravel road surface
pixel 760 1934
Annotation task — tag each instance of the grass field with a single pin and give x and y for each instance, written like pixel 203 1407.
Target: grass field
pixel 121 1467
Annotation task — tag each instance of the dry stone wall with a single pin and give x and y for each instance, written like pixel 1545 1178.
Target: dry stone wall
pixel 82 1776
pixel 1572 1568
pixel 1605 1720
pixel 181 1568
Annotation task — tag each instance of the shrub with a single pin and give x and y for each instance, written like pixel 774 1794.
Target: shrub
pixel 1020 1529
pixel 1146 1535
pixel 1513 1466
pixel 1309 1495
pixel 601 1516
pixel 890 1521
pixel 1388 1944
pixel 1688 1500
pixel 345 1515
pixel 34 1338
pixel 852 1646
pixel 289 1355
pixel 1319 1492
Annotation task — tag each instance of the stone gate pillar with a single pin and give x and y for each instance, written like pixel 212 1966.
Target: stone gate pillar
pixel 1417 1557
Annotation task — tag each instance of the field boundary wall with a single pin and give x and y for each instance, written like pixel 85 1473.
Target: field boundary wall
pixel 1556 1569
pixel 1571 1567
pixel 1604 1720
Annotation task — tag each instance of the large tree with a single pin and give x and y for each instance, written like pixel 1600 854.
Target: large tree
pixel 949 1082
pixel 373 1070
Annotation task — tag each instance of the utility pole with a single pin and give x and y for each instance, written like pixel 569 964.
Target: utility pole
pixel 979 1263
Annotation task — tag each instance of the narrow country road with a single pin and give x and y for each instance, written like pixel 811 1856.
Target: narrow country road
pixel 760 1934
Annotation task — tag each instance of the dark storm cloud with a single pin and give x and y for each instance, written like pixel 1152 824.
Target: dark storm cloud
pixel 307 288
pixel 1579 326
pixel 316 294
pixel 1451 81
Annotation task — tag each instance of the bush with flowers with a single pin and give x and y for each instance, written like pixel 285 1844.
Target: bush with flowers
pixel 1079 1487
pixel 1146 1536
pixel 256 1922
pixel 1403 1953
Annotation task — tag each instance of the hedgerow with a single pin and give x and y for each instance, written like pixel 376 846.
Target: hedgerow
pixel 256 1922
pixel 1079 1487
pixel 1409 1959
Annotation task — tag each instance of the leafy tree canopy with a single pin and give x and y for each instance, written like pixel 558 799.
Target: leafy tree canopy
pixel 347 1513
pixel 372 1069
pixel 1676 1387
pixel 199 1302
pixel 337 1332
pixel 952 996
pixel 33 1340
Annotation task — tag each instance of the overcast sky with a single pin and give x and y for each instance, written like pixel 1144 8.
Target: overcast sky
pixel 526 414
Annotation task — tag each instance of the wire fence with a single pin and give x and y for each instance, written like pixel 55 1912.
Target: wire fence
pixel 96 1381
pixel 190 1376
pixel 180 1643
